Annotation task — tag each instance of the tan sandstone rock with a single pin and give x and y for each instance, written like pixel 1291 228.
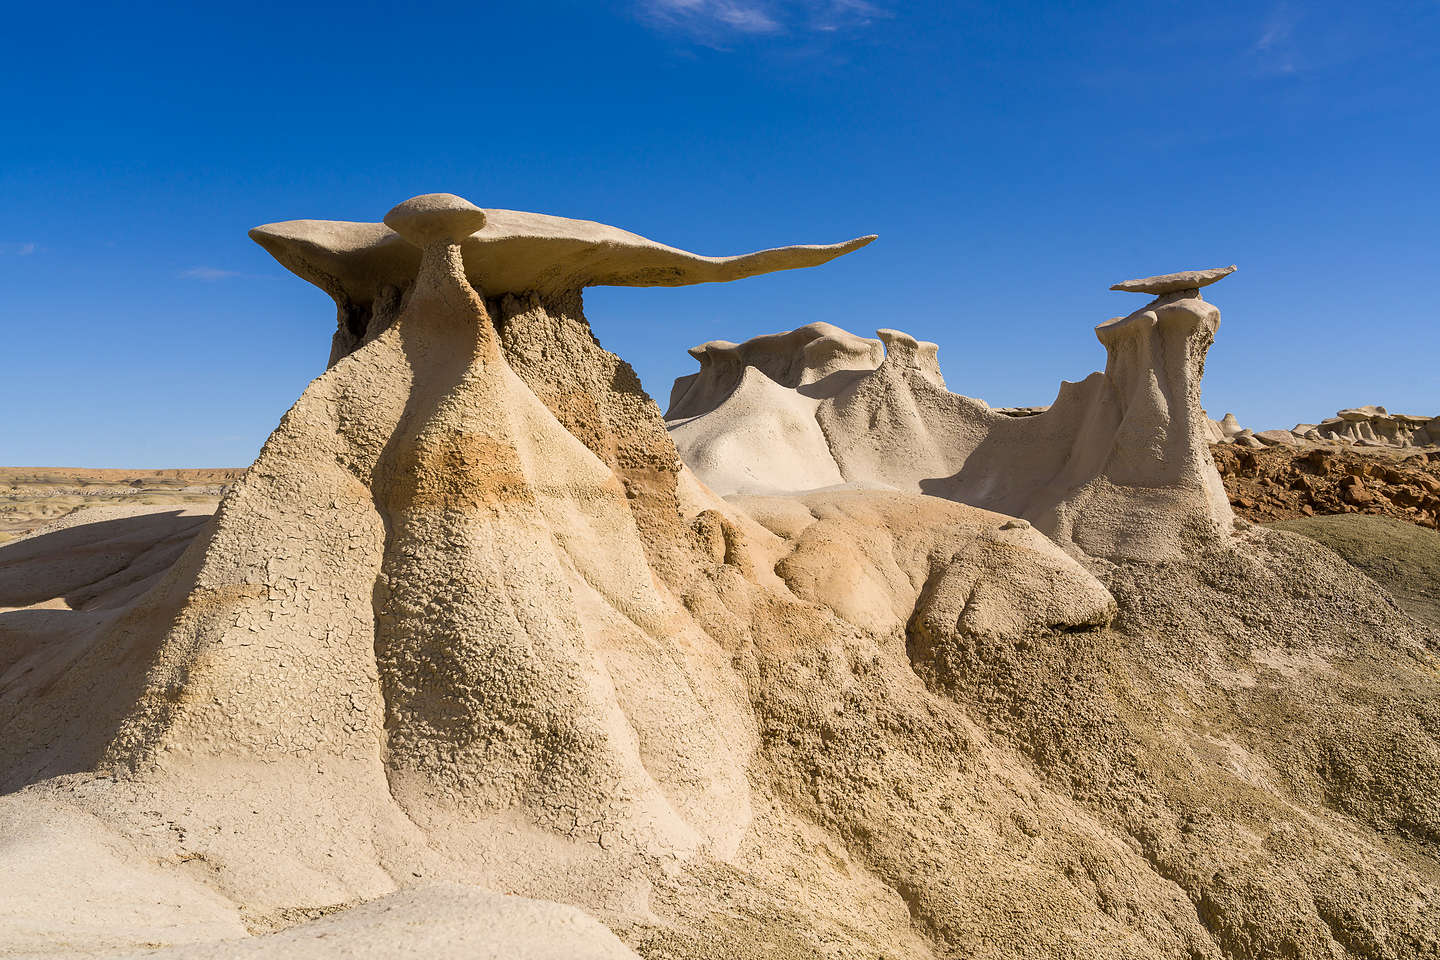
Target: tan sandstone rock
pixel 1175 282
pixel 468 629
pixel 364 266
pixel 1117 466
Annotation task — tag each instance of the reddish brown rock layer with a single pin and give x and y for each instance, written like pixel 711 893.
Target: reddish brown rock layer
pixel 1281 483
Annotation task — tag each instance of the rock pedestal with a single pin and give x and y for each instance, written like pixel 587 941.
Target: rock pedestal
pixel 1118 466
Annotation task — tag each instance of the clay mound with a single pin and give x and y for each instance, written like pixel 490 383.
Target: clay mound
pixel 436 921
pixel 860 554
pixel 468 620
pixel 97 557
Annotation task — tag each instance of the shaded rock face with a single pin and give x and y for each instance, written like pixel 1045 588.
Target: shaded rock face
pixel 465 620
pixel 1117 466
pixel 598 398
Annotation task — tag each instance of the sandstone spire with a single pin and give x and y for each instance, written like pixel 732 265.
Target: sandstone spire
pixel 1117 466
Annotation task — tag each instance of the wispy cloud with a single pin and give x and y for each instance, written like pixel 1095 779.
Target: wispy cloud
pixel 1274 48
pixel 717 22
pixel 19 249
pixel 208 274
pixel 707 18
pixel 838 14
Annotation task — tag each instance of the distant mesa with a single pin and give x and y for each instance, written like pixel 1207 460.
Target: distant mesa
pixel 1175 282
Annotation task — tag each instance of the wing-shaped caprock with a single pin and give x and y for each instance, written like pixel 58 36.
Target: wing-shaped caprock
pixel 516 252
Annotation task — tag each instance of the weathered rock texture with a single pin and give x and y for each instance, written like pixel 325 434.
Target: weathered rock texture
pixel 366 266
pixel 1282 482
pixel 467 620
pixel 1118 465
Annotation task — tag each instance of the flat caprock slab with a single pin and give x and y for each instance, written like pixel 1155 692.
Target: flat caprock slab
pixel 511 251
pixel 1175 282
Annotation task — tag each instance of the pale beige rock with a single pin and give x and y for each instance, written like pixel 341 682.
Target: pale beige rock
pixel 1362 414
pixel 430 922
pixel 1175 282
pixel 435 218
pixel 1373 425
pixel 1117 466
pixel 467 627
pixel 73 884
pixel 516 252
pixel 365 266
pixel 987 574
pixel 764 378
pixel 1273 437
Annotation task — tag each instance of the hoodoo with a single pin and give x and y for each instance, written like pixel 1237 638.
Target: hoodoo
pixel 365 266
pixel 1117 466
pixel 470 657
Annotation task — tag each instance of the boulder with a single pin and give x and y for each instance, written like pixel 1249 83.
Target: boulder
pixel 1273 437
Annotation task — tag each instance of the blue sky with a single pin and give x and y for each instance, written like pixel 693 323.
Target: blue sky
pixel 1014 158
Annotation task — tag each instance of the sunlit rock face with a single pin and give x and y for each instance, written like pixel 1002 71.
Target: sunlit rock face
pixel 1117 466
pixel 365 266
pixel 1367 426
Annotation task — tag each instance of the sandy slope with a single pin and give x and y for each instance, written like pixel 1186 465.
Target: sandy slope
pixel 1402 557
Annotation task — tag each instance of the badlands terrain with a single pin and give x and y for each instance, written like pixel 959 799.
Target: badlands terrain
pixel 485 656
pixel 30 497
